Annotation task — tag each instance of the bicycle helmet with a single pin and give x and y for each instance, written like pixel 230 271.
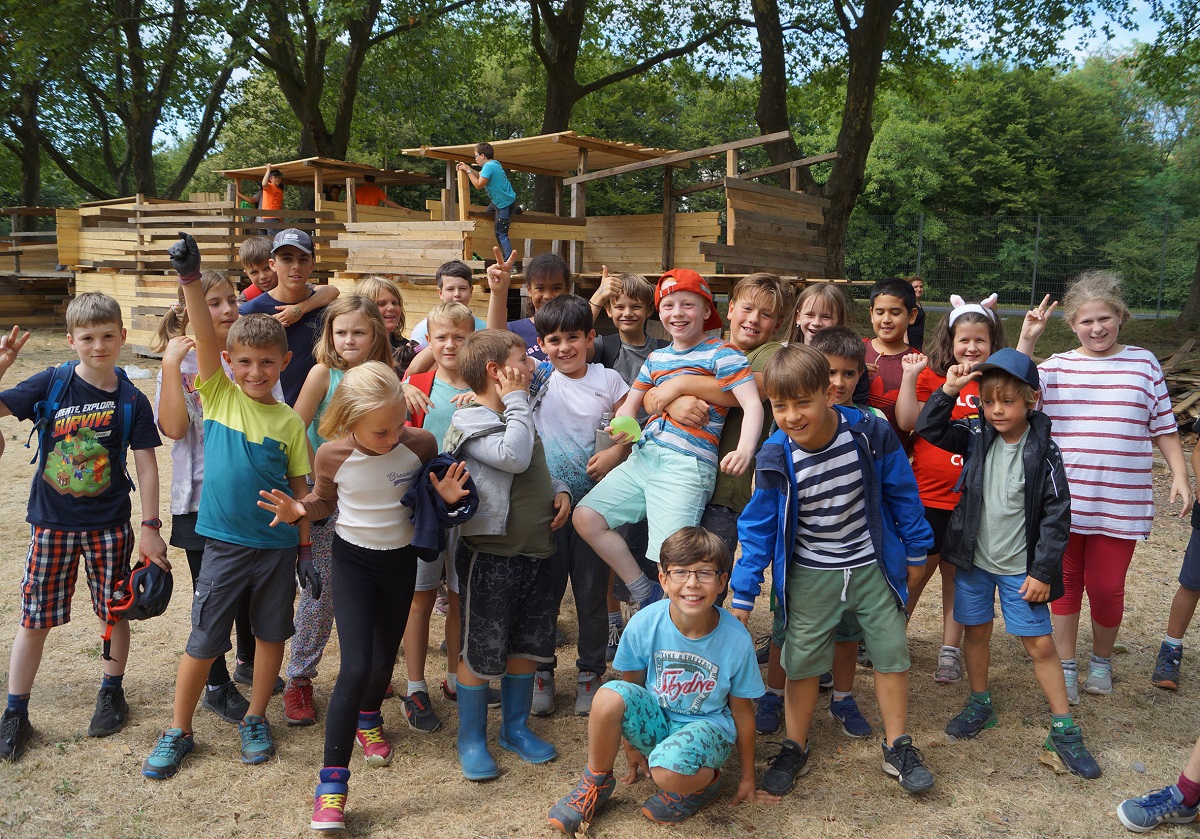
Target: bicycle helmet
pixel 144 593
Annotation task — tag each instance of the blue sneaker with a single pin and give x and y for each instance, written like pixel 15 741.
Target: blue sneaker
pixel 172 747
pixel 846 712
pixel 655 595
pixel 1142 815
pixel 672 808
pixel 825 681
pixel 257 745
pixel 769 715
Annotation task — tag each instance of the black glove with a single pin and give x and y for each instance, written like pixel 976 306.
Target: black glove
pixel 185 258
pixel 306 571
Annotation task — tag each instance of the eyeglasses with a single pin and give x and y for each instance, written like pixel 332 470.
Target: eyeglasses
pixel 681 575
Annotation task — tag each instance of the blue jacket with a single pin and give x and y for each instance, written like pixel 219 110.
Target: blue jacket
pixel 431 518
pixel 895 517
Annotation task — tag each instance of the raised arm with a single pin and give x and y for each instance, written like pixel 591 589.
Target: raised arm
pixel 907 406
pixel 499 278
pixel 185 257
pixel 1035 324
pixel 739 460
pixel 173 418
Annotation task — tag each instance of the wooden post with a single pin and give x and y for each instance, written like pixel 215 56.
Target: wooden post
pixel 318 198
pixel 559 209
pixel 668 221
pixel 464 209
pixel 731 171
pixel 794 178
pixel 448 210
pixel 351 201
pixel 578 210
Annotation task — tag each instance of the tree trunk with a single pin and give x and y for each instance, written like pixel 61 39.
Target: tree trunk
pixel 561 96
pixel 25 129
pixel 771 114
pixel 1191 307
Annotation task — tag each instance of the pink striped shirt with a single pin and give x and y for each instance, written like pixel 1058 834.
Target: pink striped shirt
pixel 1106 413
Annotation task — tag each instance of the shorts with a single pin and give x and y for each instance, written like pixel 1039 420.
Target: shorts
pixel 975 596
pixel 1189 572
pixel 815 608
pixel 684 748
pixel 938 520
pixel 430 574
pixel 679 483
pixel 183 533
pixel 722 521
pixel 507 608
pixel 52 567
pixel 847 629
pixel 229 572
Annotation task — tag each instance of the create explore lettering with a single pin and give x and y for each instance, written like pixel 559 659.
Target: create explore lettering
pixel 93 415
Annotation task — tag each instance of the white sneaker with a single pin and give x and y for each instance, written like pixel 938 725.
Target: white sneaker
pixel 543 693
pixel 585 692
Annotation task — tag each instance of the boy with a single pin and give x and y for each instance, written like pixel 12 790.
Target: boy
pixel 916 332
pixel 674 462
pixel 270 197
pixel 1008 531
pixel 491 177
pixel 1183 605
pixel 689 676
pixel 292 263
pixel 628 299
pixel 455 284
pixel 834 513
pixel 255 255
pixel 505 576
pixel 547 276
pixel 79 506
pixel 251 442
pixel 569 409
pixel 893 310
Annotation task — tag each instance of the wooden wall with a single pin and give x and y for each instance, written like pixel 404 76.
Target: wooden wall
pixel 634 243
pixel 770 229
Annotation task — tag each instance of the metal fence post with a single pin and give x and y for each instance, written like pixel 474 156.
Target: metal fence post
pixel 920 240
pixel 1162 269
pixel 1037 241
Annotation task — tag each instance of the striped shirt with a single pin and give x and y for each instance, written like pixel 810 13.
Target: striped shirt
pixel 1105 413
pixel 831 529
pixel 711 357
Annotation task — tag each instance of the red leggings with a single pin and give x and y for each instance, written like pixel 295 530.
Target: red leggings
pixel 1095 564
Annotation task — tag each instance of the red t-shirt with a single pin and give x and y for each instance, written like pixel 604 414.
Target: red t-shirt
pixel 885 386
pixel 370 195
pixel 937 470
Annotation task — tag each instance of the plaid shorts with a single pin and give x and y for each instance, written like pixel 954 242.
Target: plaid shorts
pixel 52 567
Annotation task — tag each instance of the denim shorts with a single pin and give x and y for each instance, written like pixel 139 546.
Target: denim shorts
pixel 975 602
pixel 1189 572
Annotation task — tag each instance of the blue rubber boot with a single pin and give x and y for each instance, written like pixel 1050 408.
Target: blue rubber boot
pixel 516 699
pixel 473 755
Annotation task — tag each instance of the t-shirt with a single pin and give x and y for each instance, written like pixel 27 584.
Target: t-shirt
pixel 916 329
pixel 525 328
pixel 498 188
pixel 629 360
pixel 692 678
pixel 314 436
pixel 420 333
pixel 711 357
pixel 437 419
pixel 248 446
pixel 733 491
pixel 1106 413
pixel 885 386
pixel 369 195
pixel 270 197
pixel 301 336
pixel 1000 541
pixel 832 530
pixel 937 470
pixel 79 484
pixel 567 414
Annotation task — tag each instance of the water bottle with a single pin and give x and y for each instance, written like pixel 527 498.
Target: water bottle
pixel 603 441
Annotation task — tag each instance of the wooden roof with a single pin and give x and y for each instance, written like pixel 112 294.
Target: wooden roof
pixel 300 172
pixel 549 154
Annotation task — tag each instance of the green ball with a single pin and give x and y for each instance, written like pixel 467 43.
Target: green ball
pixel 629 426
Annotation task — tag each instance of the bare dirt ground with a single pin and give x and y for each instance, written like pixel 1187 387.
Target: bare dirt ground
pixel 70 785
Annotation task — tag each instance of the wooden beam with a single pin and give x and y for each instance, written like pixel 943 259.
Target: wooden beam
pixel 731 170
pixel 678 157
pixel 603 145
pixel 737 184
pixel 802 163
pixel 461 158
pixel 351 201
pixel 668 221
pixel 578 211
pixel 700 187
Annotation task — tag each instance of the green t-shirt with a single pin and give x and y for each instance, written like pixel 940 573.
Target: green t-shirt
pixel 733 491
pixel 1000 541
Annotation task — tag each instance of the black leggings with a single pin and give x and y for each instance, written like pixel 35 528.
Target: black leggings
pixel 374 591
pixel 218 674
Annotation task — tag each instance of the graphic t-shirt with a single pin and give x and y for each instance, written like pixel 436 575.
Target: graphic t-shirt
pixel 301 336
pixel 692 678
pixel 937 470
pixel 79 484
pixel 525 328
pixel 498 188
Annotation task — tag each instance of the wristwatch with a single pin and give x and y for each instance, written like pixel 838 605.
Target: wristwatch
pixel 155 523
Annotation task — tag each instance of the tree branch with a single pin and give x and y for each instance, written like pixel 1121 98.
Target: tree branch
pixel 66 167
pixel 654 60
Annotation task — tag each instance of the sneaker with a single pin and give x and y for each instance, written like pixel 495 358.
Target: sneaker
pixel 971 720
pixel 441 603
pixel 672 808
pixel 825 681
pixel 846 712
pixel 769 715
pixel 111 712
pixel 257 745
pixel 543 694
pixel 655 595
pixel 15 731
pixel 904 762
pixel 226 702
pixel 1142 815
pixel 786 767
pixel 420 713
pixel 377 750
pixel 949 667
pixel 329 802
pixel 762 653
pixel 390 691
pixel 582 803
pixel 1067 743
pixel 298 708
pixel 560 638
pixel 451 696
pixel 243 674
pixel 585 692
pixel 614 639
pixel 1166 669
pixel 864 658
pixel 1071 677
pixel 172 747
pixel 1099 677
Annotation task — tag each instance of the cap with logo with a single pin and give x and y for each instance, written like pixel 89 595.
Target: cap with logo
pixel 295 238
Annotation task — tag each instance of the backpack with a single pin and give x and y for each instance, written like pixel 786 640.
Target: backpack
pixel 609 350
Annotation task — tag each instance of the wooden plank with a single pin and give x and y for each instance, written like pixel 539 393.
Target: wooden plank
pixel 678 157
pixel 792 165
pixel 759 258
pixel 738 185
pixel 1178 355
pixel 410 226
pixel 773 207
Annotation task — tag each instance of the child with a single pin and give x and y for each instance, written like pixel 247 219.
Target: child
pixel 819 306
pixel 390 303
pixel 455 284
pixel 1183 605
pixel 1007 534
pixel 251 442
pixel 74 518
pixel 835 513
pixel 674 462
pixel 546 276
pixel 569 408
pixel 505 575
pixel 628 299
pixel 366 472
pixel 916 332
pixel 968 334
pixel 270 197
pixel 1178 803
pixel 684 704
pixel 893 309
pixel 255 255
pixel 492 178
pixel 1087 393
pixel 352 333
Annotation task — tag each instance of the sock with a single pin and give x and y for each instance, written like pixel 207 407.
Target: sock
pixel 451 682
pixel 1069 665
pixel 20 704
pixel 413 687
pixel 983 697
pixel 614 619
pixel 112 681
pixel 640 588
pixel 1190 790
pixel 1098 660
pixel 1174 642
pixel 949 649
pixel 775 691
pixel 1060 721
pixel 838 696
pixel 213 688
pixel 599 776
pixel 369 719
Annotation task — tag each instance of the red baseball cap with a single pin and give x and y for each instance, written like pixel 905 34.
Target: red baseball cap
pixel 685 279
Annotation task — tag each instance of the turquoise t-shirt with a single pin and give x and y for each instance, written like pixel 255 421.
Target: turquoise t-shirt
pixel 498 188
pixel 437 420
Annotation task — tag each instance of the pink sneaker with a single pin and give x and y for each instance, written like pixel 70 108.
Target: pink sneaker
pixel 329 803
pixel 377 750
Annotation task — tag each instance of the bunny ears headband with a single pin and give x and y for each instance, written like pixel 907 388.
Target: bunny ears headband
pixel 983 307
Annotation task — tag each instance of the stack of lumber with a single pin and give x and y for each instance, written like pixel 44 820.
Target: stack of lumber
pixel 34 302
pixel 634 244
pixel 1183 384
pixel 769 229
pixel 400 249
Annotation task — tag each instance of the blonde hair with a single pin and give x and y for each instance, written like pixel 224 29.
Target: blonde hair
pixel 825 293
pixel 796 370
pixel 763 285
pixel 93 308
pixel 482 348
pixel 364 388
pixel 350 304
pixel 1095 287
pixel 371 286
pixel 176 320
pixel 449 313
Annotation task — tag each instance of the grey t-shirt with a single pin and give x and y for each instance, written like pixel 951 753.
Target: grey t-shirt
pixel 1001 540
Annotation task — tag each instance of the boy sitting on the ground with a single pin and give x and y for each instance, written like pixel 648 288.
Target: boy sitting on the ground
pixel 1007 532
pixel 836 515
pixel 690 676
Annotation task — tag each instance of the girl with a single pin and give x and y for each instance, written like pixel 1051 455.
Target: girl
pixel 968 334
pixel 352 332
pixel 1108 403
pixel 818 307
pixel 374 564
pixel 386 295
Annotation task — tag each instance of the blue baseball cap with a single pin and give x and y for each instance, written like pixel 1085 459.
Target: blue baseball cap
pixel 1013 362
pixel 295 238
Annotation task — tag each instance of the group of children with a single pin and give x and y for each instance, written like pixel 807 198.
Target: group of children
pixel 498 459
